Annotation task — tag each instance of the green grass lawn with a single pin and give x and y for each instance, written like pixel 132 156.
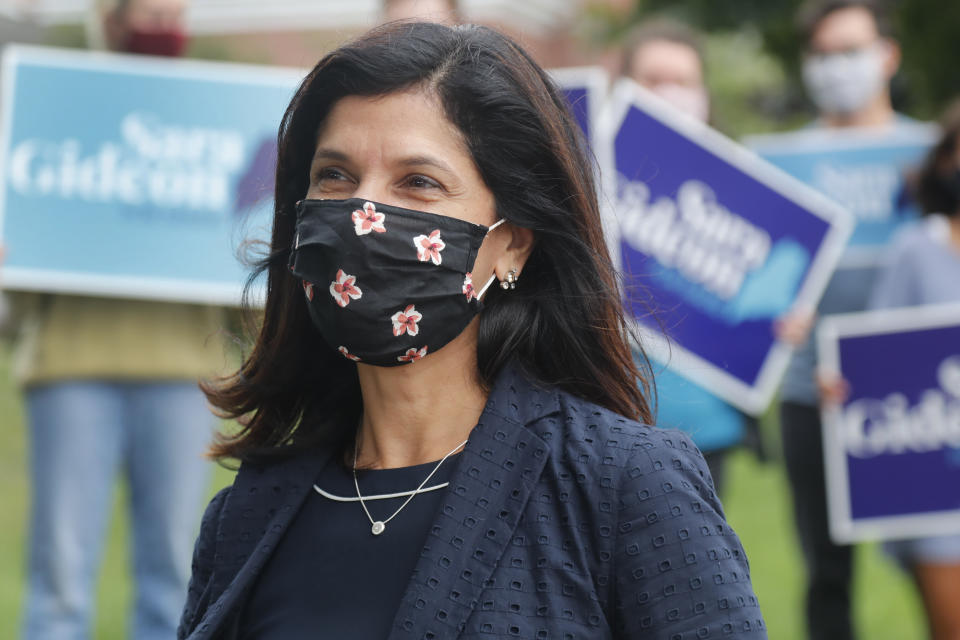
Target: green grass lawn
pixel 757 507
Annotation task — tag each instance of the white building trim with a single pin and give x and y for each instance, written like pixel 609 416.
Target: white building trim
pixel 240 16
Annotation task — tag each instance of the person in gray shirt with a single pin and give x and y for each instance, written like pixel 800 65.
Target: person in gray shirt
pixel 923 268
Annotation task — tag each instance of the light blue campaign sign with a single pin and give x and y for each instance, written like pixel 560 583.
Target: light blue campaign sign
pixel 719 243
pixel 862 170
pixel 893 448
pixel 134 176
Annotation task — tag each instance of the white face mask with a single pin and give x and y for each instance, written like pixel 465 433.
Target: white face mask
pixel 690 100
pixel 844 83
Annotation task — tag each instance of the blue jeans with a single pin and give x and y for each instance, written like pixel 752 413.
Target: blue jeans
pixel 81 434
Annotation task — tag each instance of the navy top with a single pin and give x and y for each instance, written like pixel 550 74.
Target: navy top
pixel 329 574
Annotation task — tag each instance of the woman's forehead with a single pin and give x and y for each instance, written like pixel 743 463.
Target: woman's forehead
pixel 406 122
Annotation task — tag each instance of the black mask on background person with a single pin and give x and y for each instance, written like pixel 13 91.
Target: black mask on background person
pixel 386 285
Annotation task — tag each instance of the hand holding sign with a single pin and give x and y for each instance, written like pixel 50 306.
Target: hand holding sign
pixel 834 390
pixel 794 326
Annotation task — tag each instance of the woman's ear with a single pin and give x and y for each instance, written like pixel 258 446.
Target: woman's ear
pixel 519 246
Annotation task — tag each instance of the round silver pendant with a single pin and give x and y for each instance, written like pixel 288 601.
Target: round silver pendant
pixel 378 528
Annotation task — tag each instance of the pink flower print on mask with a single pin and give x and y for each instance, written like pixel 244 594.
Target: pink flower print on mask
pixel 308 290
pixel 412 355
pixel 429 247
pixel 346 354
pixel 406 321
pixel 368 219
pixel 344 288
pixel 468 289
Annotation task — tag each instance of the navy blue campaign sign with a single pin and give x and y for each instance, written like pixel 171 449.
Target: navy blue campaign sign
pixel 585 89
pixel 861 169
pixel 720 241
pixel 134 176
pixel 892 450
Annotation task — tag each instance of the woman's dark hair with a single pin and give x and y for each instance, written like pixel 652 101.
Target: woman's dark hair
pixel 564 323
pixel 932 186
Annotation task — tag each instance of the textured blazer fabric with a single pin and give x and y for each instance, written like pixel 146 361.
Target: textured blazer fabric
pixel 562 521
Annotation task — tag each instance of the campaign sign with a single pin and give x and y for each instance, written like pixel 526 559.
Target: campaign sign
pixel 892 449
pixel 861 170
pixel 720 242
pixel 135 176
pixel 585 89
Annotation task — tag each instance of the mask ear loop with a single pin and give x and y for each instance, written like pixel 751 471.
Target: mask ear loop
pixel 496 224
pixel 493 278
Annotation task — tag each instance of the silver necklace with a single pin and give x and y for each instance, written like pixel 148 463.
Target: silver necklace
pixel 379 526
pixel 379 496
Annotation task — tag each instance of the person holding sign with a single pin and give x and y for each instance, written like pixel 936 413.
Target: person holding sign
pixel 924 269
pixel 849 62
pixel 667 58
pixel 111 386
pixel 436 442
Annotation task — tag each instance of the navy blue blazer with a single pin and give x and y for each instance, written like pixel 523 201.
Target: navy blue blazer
pixel 563 520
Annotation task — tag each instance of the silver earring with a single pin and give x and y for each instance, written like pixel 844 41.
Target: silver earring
pixel 511 281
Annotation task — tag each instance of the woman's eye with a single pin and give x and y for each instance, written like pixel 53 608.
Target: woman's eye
pixel 422 182
pixel 330 178
pixel 330 174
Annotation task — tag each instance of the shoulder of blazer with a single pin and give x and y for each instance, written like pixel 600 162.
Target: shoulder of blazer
pixel 646 495
pixel 204 554
pixel 251 518
pixel 263 498
pixel 578 429
pixel 579 433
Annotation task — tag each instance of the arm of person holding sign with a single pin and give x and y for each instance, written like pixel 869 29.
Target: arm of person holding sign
pixel 17 309
pixel 4 305
pixel 925 269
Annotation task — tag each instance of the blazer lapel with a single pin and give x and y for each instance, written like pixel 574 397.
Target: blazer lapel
pixel 258 510
pixel 488 492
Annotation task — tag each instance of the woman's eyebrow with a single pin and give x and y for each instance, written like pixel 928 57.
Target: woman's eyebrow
pixel 324 153
pixel 426 160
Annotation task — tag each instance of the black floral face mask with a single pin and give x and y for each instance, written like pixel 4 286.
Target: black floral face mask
pixel 385 285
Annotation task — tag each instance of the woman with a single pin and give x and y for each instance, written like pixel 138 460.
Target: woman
pixel 495 481
pixel 924 268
